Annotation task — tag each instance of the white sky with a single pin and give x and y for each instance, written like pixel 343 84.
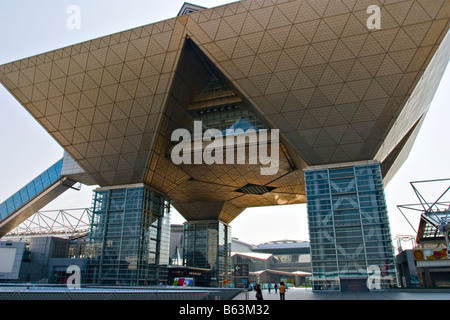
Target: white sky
pixel 30 27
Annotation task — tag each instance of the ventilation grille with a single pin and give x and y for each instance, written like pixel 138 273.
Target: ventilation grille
pixel 255 189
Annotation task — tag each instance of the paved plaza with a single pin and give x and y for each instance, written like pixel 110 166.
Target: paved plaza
pixel 308 294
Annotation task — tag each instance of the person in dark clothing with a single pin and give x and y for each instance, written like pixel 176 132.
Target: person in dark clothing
pixel 259 295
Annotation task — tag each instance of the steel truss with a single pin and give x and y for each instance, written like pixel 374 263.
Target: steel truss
pixel 434 215
pixel 68 223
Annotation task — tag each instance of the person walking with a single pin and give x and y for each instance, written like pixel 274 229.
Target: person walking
pixel 276 288
pixel 282 291
pixel 269 286
pixel 259 295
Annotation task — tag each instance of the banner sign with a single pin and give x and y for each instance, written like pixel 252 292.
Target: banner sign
pixel 430 254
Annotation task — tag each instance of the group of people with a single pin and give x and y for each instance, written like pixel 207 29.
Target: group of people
pixel 281 288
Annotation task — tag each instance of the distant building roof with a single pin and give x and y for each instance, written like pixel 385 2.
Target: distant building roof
pixel 241 246
pixel 299 273
pixel 283 245
pixel 262 256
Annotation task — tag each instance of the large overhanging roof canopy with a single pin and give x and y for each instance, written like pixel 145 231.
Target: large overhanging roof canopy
pixel 337 91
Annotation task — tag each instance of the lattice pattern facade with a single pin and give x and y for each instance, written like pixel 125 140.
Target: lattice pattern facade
pixel 129 239
pixel 348 226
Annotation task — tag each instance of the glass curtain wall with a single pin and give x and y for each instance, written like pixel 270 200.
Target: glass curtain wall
pixel 349 230
pixel 207 245
pixel 226 117
pixel 129 238
pixel 32 189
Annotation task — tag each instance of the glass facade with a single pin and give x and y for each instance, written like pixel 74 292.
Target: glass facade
pixel 226 117
pixel 349 230
pixel 207 244
pixel 32 189
pixel 129 239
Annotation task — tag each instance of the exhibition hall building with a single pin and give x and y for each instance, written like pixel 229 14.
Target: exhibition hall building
pixel 249 104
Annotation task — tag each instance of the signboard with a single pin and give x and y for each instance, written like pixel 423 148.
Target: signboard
pixel 183 282
pixel 241 270
pixel 430 254
pixel 241 283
